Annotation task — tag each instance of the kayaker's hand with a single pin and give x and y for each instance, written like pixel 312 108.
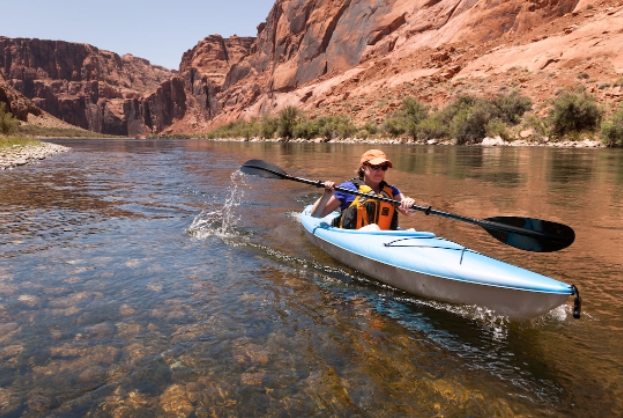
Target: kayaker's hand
pixel 329 187
pixel 405 205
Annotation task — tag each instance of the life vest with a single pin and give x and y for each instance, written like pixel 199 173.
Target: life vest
pixel 364 211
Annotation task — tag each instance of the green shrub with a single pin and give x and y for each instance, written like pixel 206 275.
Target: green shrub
pixel 540 125
pixel 612 129
pixel 8 124
pixel 371 128
pixel 407 118
pixel 469 123
pixel 432 128
pixel 574 112
pixel 237 129
pixel 268 126
pixel 333 127
pixel 306 128
pixel 447 114
pixel 511 107
pixel 496 127
pixel 394 126
pixel 287 120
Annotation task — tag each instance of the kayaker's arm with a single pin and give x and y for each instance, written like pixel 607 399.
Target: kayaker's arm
pixel 327 203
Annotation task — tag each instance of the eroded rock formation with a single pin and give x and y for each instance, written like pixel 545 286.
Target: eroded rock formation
pixel 78 83
pixel 121 95
pixel 16 103
pixel 304 42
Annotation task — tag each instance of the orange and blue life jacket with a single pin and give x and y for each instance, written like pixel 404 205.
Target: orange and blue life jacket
pixel 365 211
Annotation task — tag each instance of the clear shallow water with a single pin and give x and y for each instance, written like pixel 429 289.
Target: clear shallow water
pixel 142 278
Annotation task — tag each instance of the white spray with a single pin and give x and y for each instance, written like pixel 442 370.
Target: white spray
pixel 215 221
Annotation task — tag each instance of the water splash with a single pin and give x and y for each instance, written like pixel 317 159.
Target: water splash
pixel 220 220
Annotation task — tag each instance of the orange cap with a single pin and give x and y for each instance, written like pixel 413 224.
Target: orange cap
pixel 375 157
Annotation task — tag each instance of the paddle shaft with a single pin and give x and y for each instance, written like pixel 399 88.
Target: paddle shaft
pixel 428 210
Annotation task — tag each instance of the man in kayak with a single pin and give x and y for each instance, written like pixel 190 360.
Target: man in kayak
pixel 358 212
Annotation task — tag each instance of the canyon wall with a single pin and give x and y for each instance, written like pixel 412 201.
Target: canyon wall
pixel 103 92
pixel 305 43
pixel 357 57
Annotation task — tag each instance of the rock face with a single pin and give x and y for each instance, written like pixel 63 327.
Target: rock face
pixel 16 103
pixel 78 83
pixel 305 43
pixel 203 74
pixel 120 95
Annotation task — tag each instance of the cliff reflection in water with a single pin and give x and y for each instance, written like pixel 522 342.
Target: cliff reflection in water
pixel 110 304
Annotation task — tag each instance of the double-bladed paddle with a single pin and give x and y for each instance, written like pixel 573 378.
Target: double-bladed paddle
pixel 524 233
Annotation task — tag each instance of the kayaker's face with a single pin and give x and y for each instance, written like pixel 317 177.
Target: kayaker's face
pixel 375 173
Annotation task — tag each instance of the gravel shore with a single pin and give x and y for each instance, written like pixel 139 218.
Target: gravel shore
pixel 22 155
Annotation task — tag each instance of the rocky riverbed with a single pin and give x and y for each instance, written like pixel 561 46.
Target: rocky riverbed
pixel 21 155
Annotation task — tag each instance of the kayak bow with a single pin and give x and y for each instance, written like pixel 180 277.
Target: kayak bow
pixel 432 267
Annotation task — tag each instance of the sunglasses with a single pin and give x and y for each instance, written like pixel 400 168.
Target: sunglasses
pixel 383 167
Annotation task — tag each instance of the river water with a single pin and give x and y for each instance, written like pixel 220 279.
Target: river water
pixel 151 278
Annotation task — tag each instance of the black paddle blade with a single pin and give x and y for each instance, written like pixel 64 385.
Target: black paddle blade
pixel 530 234
pixel 263 169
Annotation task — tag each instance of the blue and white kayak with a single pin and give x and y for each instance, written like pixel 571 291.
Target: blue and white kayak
pixel 432 267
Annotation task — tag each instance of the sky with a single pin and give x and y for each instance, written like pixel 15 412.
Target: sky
pixel 158 30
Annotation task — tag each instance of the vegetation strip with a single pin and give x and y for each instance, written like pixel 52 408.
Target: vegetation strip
pixel 573 115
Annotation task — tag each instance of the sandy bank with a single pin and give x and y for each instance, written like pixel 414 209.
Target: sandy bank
pixel 21 155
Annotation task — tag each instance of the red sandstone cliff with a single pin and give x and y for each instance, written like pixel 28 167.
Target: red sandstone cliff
pixel 361 57
pixel 103 92
pixel 16 103
pixel 78 83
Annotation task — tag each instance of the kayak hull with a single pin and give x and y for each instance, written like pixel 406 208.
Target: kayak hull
pixel 431 267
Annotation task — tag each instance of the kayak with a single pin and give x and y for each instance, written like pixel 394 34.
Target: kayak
pixel 432 267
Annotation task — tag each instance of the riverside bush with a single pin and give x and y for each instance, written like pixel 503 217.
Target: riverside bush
pixel 471 119
pixel 406 120
pixel 574 112
pixel 510 108
pixel 237 129
pixel 288 118
pixel 306 128
pixel 289 123
pixel 8 124
pixel 496 127
pixel 432 128
pixel 612 129
pixel 469 123
pixel 268 127
pixel 539 125
pixel 334 127
pixel 468 119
